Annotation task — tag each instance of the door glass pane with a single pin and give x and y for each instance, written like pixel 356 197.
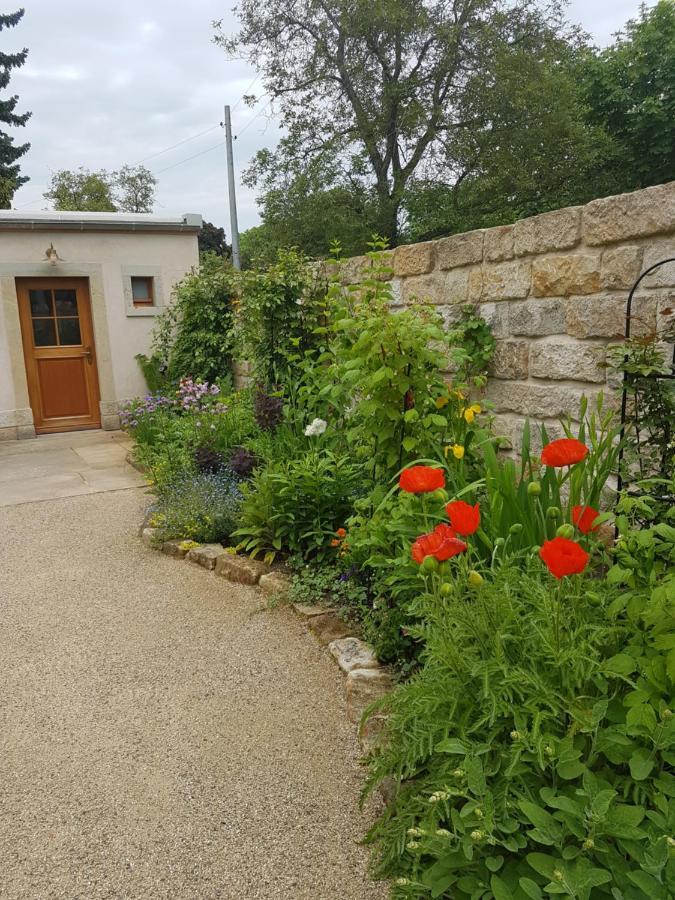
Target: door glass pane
pixel 44 332
pixel 69 331
pixel 66 302
pixel 41 303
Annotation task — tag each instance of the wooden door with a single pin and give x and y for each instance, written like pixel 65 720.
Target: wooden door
pixel 58 346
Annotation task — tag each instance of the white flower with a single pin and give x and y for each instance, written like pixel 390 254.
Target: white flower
pixel 318 426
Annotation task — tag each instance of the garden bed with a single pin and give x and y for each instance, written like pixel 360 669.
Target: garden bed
pixel 521 655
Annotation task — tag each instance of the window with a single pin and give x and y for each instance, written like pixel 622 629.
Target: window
pixel 142 290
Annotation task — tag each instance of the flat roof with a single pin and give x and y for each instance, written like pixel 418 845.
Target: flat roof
pixel 15 220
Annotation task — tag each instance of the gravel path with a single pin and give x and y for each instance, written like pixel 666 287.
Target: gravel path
pixel 161 736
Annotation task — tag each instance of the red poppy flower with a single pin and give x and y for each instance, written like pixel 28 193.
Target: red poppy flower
pixel 464 518
pixel 341 532
pixel 583 517
pixel 563 557
pixel 441 543
pixel 421 479
pixel 564 452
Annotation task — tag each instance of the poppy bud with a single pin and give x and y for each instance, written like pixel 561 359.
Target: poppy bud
pixel 499 542
pixel 475 579
pixel 440 495
pixel 430 564
pixel 566 531
pixel 552 512
pixel 446 589
pixel 444 568
pixel 533 489
pixel 516 528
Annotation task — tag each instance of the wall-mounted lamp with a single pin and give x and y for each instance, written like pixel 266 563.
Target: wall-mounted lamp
pixel 51 255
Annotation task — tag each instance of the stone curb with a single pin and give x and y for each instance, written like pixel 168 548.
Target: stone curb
pixel 366 680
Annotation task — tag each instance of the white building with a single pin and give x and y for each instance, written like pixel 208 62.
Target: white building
pixel 78 296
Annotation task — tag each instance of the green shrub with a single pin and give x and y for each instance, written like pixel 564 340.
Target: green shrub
pixel 295 507
pixel 278 310
pixel 194 337
pixel 533 750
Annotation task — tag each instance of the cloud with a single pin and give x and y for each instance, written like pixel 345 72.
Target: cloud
pixel 114 84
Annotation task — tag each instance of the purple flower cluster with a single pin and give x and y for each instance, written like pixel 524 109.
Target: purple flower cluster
pixel 196 395
pixel 191 396
pixel 134 410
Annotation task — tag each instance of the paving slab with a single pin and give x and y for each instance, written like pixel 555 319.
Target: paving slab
pixel 54 466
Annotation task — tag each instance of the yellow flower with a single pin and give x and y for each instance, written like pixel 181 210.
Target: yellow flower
pixel 441 402
pixel 458 451
pixel 472 411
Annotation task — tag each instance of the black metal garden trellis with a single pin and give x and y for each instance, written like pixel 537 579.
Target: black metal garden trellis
pixel 626 375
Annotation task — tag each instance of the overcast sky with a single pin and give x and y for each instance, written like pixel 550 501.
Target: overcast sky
pixel 115 83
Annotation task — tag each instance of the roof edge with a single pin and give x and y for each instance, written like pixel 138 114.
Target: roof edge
pixel 9 221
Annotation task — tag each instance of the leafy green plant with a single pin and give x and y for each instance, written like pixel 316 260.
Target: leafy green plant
pixel 649 433
pixel 532 750
pixel 194 337
pixel 297 506
pixel 383 370
pixel 278 309
pixel 473 346
pixel 520 497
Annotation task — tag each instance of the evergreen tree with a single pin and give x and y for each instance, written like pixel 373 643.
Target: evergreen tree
pixel 10 180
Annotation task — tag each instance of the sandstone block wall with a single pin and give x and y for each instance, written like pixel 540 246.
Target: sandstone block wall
pixel 554 289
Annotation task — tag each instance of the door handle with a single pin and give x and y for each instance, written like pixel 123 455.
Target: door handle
pixel 87 355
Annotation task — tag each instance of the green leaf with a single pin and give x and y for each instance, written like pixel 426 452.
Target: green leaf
pixel 474 776
pixel 531 888
pixel 542 864
pixel 641 763
pixel 621 664
pixel 500 888
pixel 649 885
pixel 451 745
pixel 538 816
pixel 494 863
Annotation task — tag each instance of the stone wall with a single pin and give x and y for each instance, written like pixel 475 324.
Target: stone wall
pixel 554 290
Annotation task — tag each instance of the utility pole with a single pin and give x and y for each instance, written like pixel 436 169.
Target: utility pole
pixel 234 227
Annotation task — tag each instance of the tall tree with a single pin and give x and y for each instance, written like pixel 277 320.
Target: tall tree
pixel 308 210
pixel 212 240
pixel 10 179
pixel 129 189
pixel 81 190
pixel 134 189
pixel 376 87
pixel 629 88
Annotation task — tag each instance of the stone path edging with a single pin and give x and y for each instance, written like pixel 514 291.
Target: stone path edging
pixel 366 679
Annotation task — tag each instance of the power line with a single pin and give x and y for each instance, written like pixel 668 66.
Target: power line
pixel 246 92
pixel 251 121
pixel 194 156
pixel 178 144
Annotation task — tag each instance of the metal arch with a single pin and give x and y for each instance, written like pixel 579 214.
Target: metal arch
pixel 624 393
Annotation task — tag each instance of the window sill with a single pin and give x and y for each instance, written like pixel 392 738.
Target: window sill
pixel 144 311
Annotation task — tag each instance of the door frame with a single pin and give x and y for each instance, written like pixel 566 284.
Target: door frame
pixel 85 314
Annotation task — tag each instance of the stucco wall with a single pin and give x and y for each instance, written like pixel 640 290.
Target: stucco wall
pixel 120 331
pixel 554 290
